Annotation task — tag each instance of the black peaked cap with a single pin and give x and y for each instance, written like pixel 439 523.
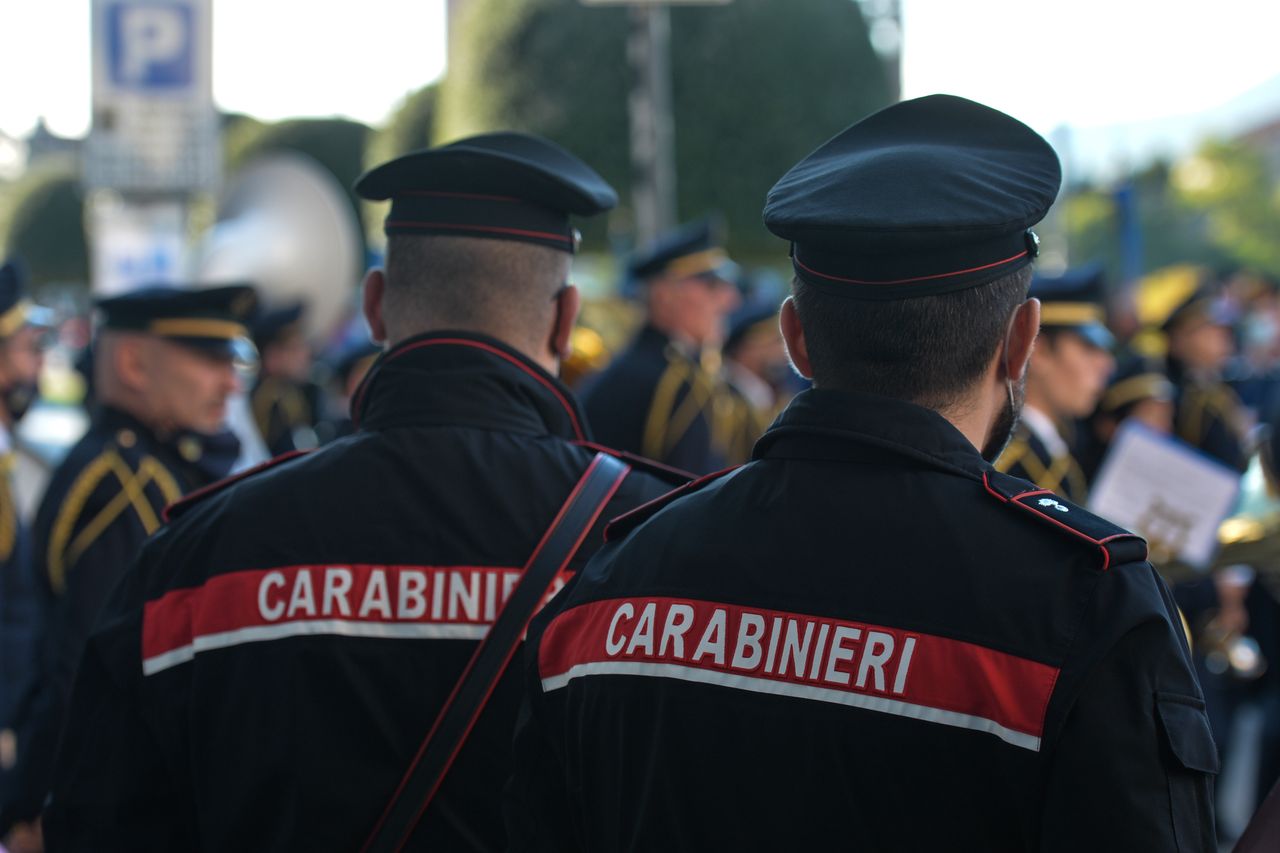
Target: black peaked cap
pixel 1074 300
pixel 211 318
pixel 14 305
pixel 505 186
pixel 695 248
pixel 270 325
pixel 926 196
pixel 1134 380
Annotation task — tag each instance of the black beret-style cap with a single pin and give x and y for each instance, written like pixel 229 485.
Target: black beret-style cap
pixel 927 196
pixel 747 322
pixel 16 307
pixel 1200 306
pixel 1074 300
pixel 354 355
pixel 503 186
pixel 693 249
pixel 1135 380
pixel 269 326
pixel 214 319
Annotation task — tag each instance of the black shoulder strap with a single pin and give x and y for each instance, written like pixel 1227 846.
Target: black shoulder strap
pixel 471 693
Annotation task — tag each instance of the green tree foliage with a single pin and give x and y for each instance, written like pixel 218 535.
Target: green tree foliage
pixel 1172 231
pixel 757 85
pixel 43 223
pixel 410 127
pixel 1228 183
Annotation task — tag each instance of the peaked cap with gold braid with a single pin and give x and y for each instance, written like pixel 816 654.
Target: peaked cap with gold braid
pixel 16 308
pixel 213 319
pixel 1073 300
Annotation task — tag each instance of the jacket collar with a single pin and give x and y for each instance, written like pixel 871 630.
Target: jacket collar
pixel 650 337
pixel 463 378
pixel 839 424
pixel 125 427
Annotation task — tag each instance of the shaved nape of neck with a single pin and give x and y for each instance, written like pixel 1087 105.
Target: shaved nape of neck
pixel 502 288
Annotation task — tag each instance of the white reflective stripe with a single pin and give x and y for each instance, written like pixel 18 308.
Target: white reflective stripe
pixel 802 691
pixel 182 654
pixel 340 627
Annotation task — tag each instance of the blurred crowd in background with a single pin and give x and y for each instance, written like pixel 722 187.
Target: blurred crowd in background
pixel 1161 289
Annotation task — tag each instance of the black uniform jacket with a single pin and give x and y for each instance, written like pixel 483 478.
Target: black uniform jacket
pixel 656 401
pixel 106 497
pixel 1029 458
pixel 286 413
pixel 271 665
pixel 1209 416
pixel 19 601
pixel 865 640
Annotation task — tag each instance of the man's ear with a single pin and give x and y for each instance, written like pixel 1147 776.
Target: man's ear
pixel 375 288
pixel 1021 339
pixel 793 337
pixel 129 361
pixel 568 303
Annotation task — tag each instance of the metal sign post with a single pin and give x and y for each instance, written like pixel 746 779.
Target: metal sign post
pixel 653 162
pixel 653 167
pixel 155 140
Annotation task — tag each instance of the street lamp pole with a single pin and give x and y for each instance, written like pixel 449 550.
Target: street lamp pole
pixel 653 168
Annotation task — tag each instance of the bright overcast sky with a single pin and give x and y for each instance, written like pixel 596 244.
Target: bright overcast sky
pixel 271 58
pixel 1049 62
pixel 1090 62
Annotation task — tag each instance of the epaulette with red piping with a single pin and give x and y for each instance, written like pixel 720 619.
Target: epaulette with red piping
pixel 674 476
pixel 189 500
pixel 625 523
pixel 1116 544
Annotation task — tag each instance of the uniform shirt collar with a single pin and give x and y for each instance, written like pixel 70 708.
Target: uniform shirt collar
pixel 125 427
pixel 832 424
pixel 463 378
pixel 1043 428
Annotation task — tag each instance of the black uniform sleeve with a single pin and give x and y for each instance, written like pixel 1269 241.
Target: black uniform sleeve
pixel 1134 763
pixel 90 576
pixel 113 792
pixel 536 800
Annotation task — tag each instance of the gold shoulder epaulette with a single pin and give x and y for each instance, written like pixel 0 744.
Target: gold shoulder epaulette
pixel 69 539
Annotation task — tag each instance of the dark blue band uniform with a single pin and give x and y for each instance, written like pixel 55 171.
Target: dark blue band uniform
pixel 656 398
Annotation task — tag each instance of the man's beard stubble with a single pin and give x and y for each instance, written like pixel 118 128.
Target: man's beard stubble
pixel 1006 422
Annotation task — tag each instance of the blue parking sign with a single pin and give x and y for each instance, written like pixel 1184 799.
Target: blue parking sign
pixel 150 46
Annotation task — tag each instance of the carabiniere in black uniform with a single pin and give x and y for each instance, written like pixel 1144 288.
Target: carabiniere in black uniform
pixel 960 652
pixel 867 638
pixel 358 576
pixel 270 667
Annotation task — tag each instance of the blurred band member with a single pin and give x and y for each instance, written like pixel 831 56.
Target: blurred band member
pixel 165 364
pixel 285 402
pixel 22 331
pixel 756 369
pixel 1139 391
pixel 656 398
pixel 1208 414
pixel 1067 375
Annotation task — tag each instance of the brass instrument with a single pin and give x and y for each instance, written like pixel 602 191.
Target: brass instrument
pixel 1248 539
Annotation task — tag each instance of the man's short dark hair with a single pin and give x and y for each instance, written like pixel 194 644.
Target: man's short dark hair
pixel 500 287
pixel 928 350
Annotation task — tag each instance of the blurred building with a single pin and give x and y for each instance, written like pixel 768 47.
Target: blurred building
pixel 18 155
pixel 13 157
pixel 43 144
